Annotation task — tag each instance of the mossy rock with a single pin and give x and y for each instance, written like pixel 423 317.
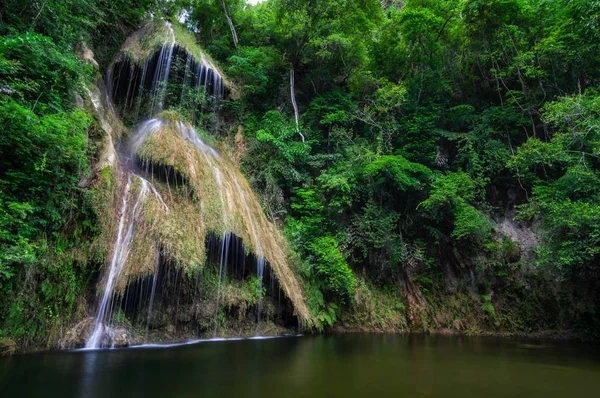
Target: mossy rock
pixel 8 347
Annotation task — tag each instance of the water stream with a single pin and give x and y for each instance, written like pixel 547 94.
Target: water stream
pixel 120 254
pixel 122 246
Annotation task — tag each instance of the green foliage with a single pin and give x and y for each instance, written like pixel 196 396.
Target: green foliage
pixel 567 181
pixel 327 266
pixel 252 68
pixel 418 117
pixel 103 24
pixel 405 175
pixel 34 70
pixel 488 308
pixel 325 313
pixel 279 135
pixel 451 195
pixel 332 267
pixel 43 155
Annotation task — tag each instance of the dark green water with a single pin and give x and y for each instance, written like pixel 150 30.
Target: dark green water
pixel 329 366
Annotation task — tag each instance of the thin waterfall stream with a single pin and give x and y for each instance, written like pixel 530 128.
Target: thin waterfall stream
pixel 121 250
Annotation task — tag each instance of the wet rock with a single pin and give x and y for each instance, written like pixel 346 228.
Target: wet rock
pixel 77 335
pixel 79 101
pixel 121 338
pixel 171 330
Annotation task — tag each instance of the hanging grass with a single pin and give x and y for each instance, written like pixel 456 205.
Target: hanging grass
pixel 196 192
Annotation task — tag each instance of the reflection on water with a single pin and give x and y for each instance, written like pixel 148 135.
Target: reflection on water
pixel 325 366
pixel 88 375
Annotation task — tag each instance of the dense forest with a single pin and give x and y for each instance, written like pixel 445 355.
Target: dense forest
pixel 434 165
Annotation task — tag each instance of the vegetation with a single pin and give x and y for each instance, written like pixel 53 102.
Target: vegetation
pixel 422 127
pixel 425 122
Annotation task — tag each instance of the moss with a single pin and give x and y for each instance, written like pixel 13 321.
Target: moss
pixel 7 346
pixel 378 309
pixel 141 45
pixel 106 174
pixel 225 201
pixel 208 195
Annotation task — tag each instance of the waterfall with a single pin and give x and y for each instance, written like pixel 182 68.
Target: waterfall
pixel 186 80
pixel 139 87
pixel 153 294
pixel 145 128
pixel 138 293
pixel 231 193
pixel 121 250
pixel 222 263
pixel 211 216
pixel 260 272
pixel 120 254
pixel 161 77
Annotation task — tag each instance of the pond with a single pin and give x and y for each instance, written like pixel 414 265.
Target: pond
pixel 358 365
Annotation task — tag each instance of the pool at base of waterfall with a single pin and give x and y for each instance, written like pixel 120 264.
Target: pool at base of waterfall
pixel 353 365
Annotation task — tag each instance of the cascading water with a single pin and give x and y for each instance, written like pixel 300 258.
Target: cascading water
pixel 140 89
pixel 153 293
pixel 121 250
pixel 223 262
pixel 260 272
pixel 141 292
pixel 225 189
pixel 161 75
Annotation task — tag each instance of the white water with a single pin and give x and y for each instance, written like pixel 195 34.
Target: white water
pixel 213 340
pixel 201 341
pixel 212 158
pixel 120 254
pixel 260 272
pixel 253 233
pixel 186 79
pixel 223 262
pixel 189 134
pixel 154 280
pixel 206 76
pixel 122 248
pixel 136 102
pixel 142 132
pixel 161 77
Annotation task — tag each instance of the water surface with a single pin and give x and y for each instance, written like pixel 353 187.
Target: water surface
pixel 322 366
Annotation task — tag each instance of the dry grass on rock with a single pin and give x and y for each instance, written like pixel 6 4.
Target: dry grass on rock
pixel 208 195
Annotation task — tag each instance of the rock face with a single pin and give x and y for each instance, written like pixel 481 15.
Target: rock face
pixel 120 338
pixel 520 232
pixel 87 55
pixel 77 335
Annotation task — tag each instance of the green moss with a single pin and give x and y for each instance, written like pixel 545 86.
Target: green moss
pixel 154 34
pixel 377 308
pixel 7 346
